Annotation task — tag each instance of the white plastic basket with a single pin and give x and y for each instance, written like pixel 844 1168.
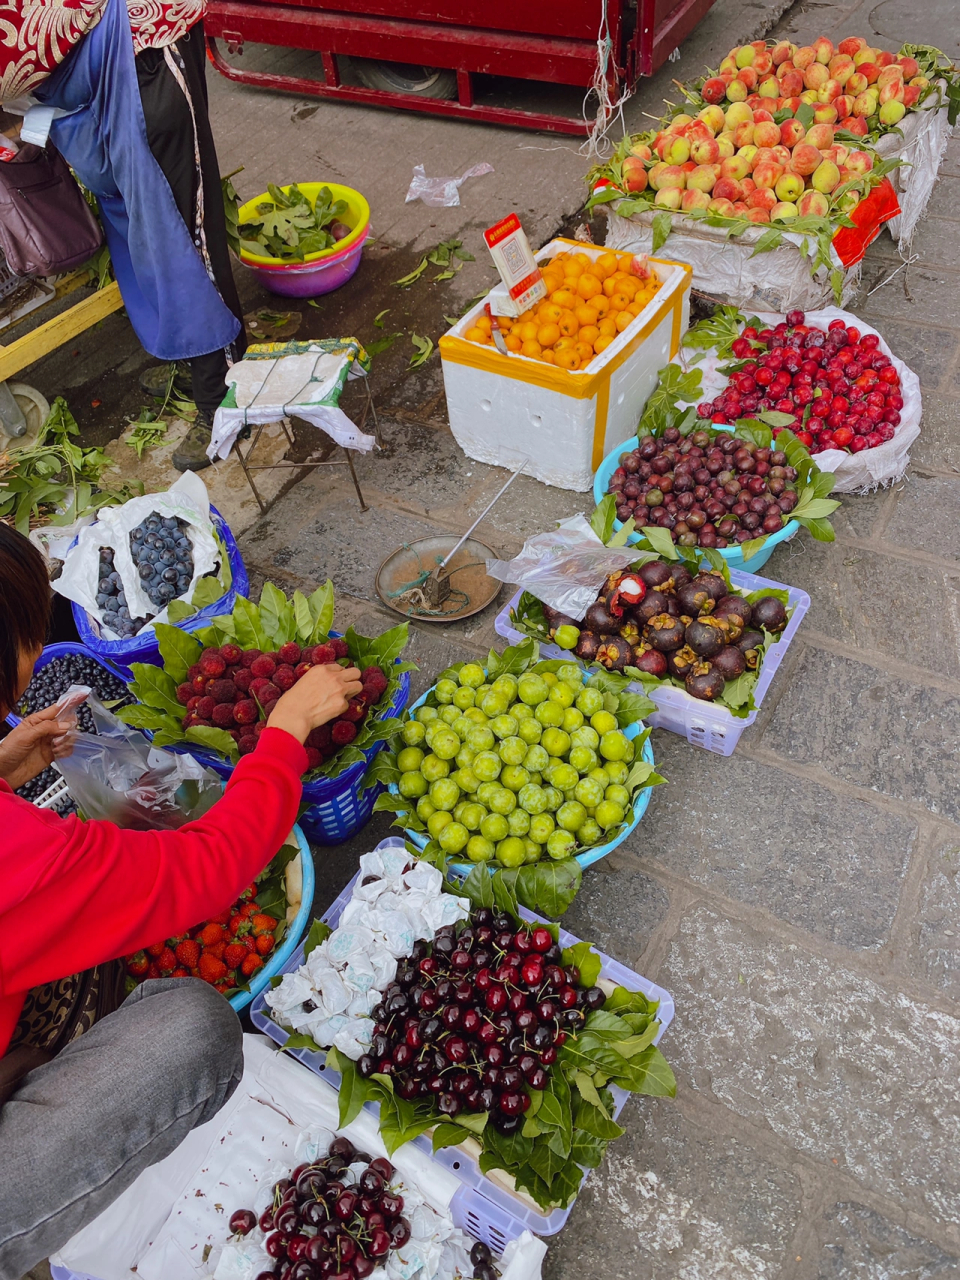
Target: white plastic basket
pixel 702 723
pixel 56 796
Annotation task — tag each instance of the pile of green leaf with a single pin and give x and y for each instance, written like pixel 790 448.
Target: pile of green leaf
pixel 570 1124
pixel 289 227
pixel 276 620
pixel 57 481
pixel 547 886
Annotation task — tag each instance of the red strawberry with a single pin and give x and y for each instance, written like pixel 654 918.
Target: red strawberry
pixel 167 961
pixel 222 918
pixel 153 971
pixel 211 969
pixel 188 954
pixel 251 964
pixel 234 955
pixel 238 925
pixel 249 909
pixel 156 950
pixel 180 973
pixel 264 944
pixel 216 950
pixel 138 964
pixel 211 933
pixel 250 891
pixel 263 923
pixel 223 987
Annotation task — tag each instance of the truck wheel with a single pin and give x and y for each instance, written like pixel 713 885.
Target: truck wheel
pixel 402 77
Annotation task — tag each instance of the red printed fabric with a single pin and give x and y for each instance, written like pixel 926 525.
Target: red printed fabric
pixel 36 35
pixel 868 217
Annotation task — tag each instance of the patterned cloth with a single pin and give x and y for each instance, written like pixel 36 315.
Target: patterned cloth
pixel 36 35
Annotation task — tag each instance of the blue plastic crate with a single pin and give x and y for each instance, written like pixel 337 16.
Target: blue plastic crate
pixel 143 647
pixel 61 651
pixel 589 856
pixel 732 555
pixel 453 1158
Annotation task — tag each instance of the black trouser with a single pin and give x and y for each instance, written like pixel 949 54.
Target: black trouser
pixel 170 133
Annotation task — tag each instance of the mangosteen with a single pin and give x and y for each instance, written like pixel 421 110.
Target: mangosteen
pixel 731 626
pixel 587 646
pixel 681 662
pixel 600 620
pixel 730 662
pixel 749 640
pixel 681 574
pixel 672 607
pixel 704 637
pixel 664 633
pixel 770 614
pixel 558 620
pixel 705 682
pixel 629 631
pixel 653 602
pixel 651 661
pixel 692 598
pixel 713 584
pixel 728 606
pixel 615 653
pixel 655 573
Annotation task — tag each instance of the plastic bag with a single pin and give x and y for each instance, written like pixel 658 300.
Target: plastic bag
pixel 187 499
pixel 117 775
pixel 566 568
pixel 441 193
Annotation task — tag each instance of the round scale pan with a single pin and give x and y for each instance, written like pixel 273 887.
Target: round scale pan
pixel 470 588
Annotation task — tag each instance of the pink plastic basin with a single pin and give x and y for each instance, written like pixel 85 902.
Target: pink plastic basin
pixel 309 279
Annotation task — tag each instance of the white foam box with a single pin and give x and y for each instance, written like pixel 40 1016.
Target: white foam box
pixel 504 407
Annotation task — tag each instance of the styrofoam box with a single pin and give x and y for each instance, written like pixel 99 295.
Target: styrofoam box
pixel 503 408
pixel 702 723
pixel 453 1158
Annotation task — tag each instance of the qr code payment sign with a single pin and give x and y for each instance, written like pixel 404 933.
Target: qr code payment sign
pixel 514 258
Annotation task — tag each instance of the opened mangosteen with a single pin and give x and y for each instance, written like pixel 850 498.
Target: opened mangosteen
pixel 664 633
pixel 629 591
pixel 705 682
pixel 587 646
pixel 600 620
pixel 770 614
pixel 681 662
pixel 651 661
pixel 615 653
pixel 653 602
pixel 730 662
pixel 704 637
pixel 736 606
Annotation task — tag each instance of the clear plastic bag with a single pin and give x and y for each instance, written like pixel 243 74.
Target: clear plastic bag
pixel 441 193
pixel 566 568
pixel 117 775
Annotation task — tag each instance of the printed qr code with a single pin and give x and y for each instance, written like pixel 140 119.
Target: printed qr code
pixel 516 264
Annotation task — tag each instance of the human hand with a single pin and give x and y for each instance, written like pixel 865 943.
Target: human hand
pixel 34 744
pixel 318 697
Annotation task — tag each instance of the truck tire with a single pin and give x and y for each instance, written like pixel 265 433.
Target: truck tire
pixel 402 77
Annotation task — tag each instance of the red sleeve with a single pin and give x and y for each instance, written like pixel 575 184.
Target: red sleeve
pixel 74 894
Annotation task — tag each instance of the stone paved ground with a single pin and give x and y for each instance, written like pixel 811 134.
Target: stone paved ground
pixel 801 899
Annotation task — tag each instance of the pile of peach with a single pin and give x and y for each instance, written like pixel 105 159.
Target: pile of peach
pixel 589 302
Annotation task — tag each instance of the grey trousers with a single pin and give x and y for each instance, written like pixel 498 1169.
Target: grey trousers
pixel 80 1129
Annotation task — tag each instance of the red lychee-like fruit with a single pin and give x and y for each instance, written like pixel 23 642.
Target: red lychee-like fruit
pixel 343 732
pixel 323 654
pixel 356 710
pixel 264 667
pixel 185 693
pixel 205 707
pixel 193 703
pixel 246 712
pixel 284 677
pixel 376 680
pixel 290 652
pixel 223 716
pixel 211 663
pixel 319 737
pixel 231 654
pixel 222 691
pixel 194 671
pixel 301 669
pixel 199 684
pixel 243 678
pixel 257 686
pixel 249 657
pixel 234 734
pixel 339 647
pixel 247 744
pixel 314 758
pixel 269 694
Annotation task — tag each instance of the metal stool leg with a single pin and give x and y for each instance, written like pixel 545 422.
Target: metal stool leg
pixel 356 482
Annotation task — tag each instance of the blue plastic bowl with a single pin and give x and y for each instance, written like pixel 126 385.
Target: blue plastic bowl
pixel 143 647
pixel 732 555
pixel 60 651
pixel 291 939
pixel 589 856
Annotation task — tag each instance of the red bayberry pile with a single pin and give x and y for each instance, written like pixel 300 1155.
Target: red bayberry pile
pixel 710 489
pixel 476 1016
pixel 235 689
pixel 225 951
pixel 318 1227
pixel 841 389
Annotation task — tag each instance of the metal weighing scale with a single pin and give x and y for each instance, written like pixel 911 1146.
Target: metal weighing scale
pixel 443 578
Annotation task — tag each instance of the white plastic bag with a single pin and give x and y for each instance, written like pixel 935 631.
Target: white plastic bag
pixel 115 774
pixel 566 568
pixel 441 193
pixel 188 500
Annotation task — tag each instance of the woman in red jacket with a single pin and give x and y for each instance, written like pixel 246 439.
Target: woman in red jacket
pixel 78 1128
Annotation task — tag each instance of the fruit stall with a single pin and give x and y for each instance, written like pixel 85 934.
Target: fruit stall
pixel 420 61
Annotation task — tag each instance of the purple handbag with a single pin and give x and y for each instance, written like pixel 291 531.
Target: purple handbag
pixel 46 225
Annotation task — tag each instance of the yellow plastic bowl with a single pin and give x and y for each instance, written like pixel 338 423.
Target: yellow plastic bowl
pixel 356 217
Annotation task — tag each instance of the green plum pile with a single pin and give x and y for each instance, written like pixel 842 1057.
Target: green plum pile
pixel 520 768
